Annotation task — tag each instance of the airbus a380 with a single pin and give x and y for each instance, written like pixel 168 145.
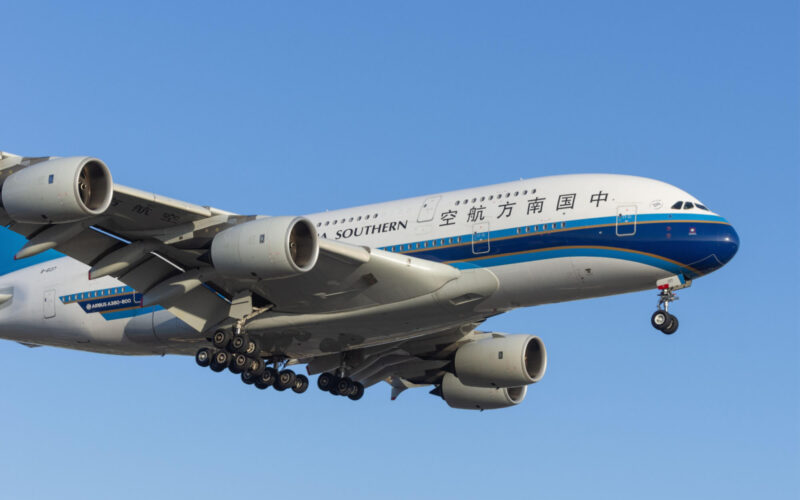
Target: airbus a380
pixel 391 292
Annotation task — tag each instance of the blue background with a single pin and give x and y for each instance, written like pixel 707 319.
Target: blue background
pixel 296 107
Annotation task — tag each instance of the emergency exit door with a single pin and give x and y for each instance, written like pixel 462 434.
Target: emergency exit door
pixel 49 303
pixel 626 220
pixel 428 209
pixel 480 238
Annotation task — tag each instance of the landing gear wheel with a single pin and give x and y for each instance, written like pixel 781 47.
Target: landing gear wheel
pixel 325 381
pixel 267 378
pixel 220 360
pixel 239 363
pixel 251 349
pixel 344 386
pixel 300 384
pixel 357 392
pixel 254 369
pixel 334 389
pixel 203 357
pixel 221 338
pixel 249 378
pixel 285 380
pixel 672 326
pixel 659 319
pixel 239 343
pixel 256 366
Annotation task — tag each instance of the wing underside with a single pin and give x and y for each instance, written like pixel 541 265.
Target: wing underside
pixel 389 316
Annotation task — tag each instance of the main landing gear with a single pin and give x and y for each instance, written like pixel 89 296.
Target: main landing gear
pixel 662 319
pixel 340 386
pixel 241 355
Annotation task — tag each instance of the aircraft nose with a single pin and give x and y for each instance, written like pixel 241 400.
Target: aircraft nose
pixel 728 244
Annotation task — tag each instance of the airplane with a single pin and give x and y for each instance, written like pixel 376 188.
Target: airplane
pixel 392 292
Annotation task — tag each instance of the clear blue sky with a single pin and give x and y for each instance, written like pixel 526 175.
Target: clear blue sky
pixel 295 107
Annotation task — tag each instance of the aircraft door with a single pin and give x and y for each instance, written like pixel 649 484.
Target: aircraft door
pixel 428 209
pixel 49 303
pixel 480 238
pixel 626 220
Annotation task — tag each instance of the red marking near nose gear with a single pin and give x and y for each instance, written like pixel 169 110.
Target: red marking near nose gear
pixel 663 287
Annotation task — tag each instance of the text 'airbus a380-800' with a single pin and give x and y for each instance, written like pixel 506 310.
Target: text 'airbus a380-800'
pixel 389 292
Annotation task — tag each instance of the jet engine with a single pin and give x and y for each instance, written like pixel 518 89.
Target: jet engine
pixel 458 395
pixel 58 190
pixel 266 248
pixel 501 361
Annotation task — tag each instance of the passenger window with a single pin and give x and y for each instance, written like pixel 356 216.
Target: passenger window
pixel 677 205
pixel 688 205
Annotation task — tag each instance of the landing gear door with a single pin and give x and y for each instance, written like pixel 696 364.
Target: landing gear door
pixel 626 220
pixel 49 303
pixel 428 209
pixel 480 238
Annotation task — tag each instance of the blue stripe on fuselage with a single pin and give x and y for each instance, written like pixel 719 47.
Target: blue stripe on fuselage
pixel 689 244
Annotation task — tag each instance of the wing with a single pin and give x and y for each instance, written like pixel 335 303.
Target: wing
pixel 353 295
pixel 403 364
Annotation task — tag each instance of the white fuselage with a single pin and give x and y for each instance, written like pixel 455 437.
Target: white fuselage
pixel 549 239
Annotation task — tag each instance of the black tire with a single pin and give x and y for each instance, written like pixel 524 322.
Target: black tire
pixel 357 392
pixel 261 385
pixel 251 349
pixel 220 360
pixel 285 380
pixel 249 378
pixel 239 343
pixel 203 357
pixel 256 366
pixel 659 319
pixel 325 381
pixel 335 386
pixel 344 386
pixel 268 377
pixel 221 338
pixel 672 325
pixel 239 363
pixel 300 384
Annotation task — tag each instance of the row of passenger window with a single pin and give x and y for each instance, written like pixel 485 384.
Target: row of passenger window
pixel 342 221
pixel 97 294
pixel 455 240
pixel 425 244
pixel 543 227
pixel 492 197
pixel 688 205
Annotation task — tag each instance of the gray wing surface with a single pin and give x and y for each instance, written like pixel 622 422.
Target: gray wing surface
pixel 387 307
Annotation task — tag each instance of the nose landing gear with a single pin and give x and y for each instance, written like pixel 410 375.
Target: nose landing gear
pixel 662 319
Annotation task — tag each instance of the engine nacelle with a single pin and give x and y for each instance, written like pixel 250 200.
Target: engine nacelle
pixel 458 395
pixel 509 361
pixel 267 248
pixel 58 190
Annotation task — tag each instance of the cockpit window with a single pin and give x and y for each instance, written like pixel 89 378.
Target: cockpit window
pixel 688 205
pixel 677 205
pixel 702 207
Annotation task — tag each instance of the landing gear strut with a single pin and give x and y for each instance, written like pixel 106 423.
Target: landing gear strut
pixel 662 319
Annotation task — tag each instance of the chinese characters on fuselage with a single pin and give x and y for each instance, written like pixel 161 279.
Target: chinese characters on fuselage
pixel 564 201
